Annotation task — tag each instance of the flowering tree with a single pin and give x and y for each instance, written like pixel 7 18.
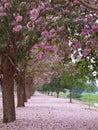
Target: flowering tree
pixel 17 36
pixel 54 25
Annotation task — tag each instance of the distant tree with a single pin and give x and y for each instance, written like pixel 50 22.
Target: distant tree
pixel 72 78
pixel 45 88
pixel 56 85
pixel 77 91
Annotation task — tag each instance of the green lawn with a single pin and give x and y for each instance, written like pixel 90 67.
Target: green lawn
pixel 93 98
pixel 85 97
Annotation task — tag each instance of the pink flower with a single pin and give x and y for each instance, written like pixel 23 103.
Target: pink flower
pixel 3 1
pixel 17 28
pixel 52 31
pixel 86 51
pixel 19 18
pixel 39 21
pixel 2 9
pixel 89 17
pixel 43 44
pixel 55 49
pixel 64 42
pixel 30 26
pixel 44 33
pixel 41 6
pixel 33 18
pixel 62 29
pixel 27 38
pixel 85 32
pixel 42 56
pixel 48 48
pixel 77 44
pixel 49 37
pixel 3 14
pixel 96 55
pixel 7 5
pixel 68 51
pixel 89 43
pixel 34 14
pixel 66 11
pixel 95 28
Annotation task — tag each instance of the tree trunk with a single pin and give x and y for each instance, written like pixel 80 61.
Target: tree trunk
pixel 8 90
pixel 48 92
pixel 70 95
pixel 57 94
pixel 29 90
pixel 51 93
pixel 21 95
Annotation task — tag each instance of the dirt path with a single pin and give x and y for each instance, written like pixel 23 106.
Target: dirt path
pixel 49 113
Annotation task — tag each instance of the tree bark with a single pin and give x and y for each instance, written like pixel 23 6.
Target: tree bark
pixel 70 95
pixel 21 94
pixel 57 94
pixel 29 90
pixel 8 90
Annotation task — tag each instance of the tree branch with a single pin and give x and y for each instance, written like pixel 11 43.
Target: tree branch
pixel 89 6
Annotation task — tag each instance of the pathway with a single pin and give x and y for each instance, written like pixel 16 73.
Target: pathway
pixel 48 113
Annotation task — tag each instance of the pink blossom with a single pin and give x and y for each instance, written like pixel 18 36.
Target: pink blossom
pixel 89 43
pixel 27 38
pixel 96 55
pixel 85 32
pixel 17 28
pixel 44 33
pixel 34 14
pixel 43 44
pixel 3 14
pixel 68 51
pixel 52 31
pixel 7 5
pixel 19 18
pixel 77 44
pixel 30 26
pixel 48 48
pixel 89 17
pixel 86 51
pixel 61 29
pixel 39 21
pixel 55 49
pixel 3 1
pixel 49 37
pixel 76 1
pixel 65 42
pixel 95 28
pixel 2 9
pixel 41 6
pixel 66 11
pixel 33 18
pixel 42 56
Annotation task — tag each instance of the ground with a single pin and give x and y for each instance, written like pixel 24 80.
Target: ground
pixel 49 113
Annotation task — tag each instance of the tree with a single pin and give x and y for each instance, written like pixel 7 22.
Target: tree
pixel 72 78
pixel 50 23
pixel 16 31
pixel 55 85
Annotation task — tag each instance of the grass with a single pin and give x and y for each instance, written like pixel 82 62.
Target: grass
pixel 88 98
pixel 93 98
pixel 61 95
